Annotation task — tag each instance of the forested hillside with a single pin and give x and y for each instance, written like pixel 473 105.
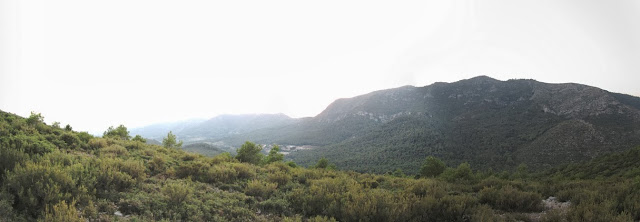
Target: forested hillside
pixel 52 173
pixel 486 122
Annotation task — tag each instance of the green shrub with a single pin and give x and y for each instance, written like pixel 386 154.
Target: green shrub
pixel 32 144
pixel 509 198
pixel 97 143
pixel 426 187
pixel 197 170
pixel 245 171
pixel 157 165
pixel 71 140
pixel 276 206
pixel 35 186
pixel 221 158
pixel 222 174
pixel 176 193
pixel 63 212
pixel 259 188
pixel 113 151
pixel 279 178
pixel 9 158
pixel 110 177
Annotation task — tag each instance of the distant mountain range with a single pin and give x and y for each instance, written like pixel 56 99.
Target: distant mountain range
pixel 486 122
pixel 214 129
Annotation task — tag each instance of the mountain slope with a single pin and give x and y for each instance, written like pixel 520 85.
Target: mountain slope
pixel 483 121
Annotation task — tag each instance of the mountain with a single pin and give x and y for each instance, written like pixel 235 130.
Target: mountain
pixel 213 129
pixel 483 121
pixel 228 125
pixel 160 130
pixel 203 148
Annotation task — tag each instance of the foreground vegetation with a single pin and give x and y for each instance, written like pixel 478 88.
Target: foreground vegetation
pixel 52 173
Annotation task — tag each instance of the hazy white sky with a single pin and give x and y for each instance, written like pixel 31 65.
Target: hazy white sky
pixel 93 64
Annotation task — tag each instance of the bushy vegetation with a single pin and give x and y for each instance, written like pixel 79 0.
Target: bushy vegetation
pixel 53 174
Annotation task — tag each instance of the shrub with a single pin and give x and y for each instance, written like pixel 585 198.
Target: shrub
pixel 509 198
pixel 222 174
pixel 261 189
pixel 110 177
pixel 221 158
pixel 97 143
pixel 113 151
pixel 35 186
pixel 32 144
pixel 424 187
pixel 63 212
pixel 275 205
pixel 157 165
pixel 176 193
pixel 279 178
pixel 71 140
pixel 9 158
pixel 244 171
pixel 197 170
pixel 134 168
pixel 84 137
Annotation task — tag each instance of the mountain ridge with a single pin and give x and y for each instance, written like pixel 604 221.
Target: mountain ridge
pixel 506 122
pixel 491 124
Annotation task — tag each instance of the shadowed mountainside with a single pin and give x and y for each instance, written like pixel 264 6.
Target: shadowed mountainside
pixel 486 122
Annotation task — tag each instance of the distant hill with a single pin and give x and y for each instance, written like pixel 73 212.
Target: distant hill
pixel 203 148
pixel 486 122
pixel 195 131
pixel 160 130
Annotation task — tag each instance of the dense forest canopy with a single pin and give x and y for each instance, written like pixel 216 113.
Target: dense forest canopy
pixel 50 173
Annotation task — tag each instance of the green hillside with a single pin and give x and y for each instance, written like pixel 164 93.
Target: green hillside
pixel 489 123
pixel 50 173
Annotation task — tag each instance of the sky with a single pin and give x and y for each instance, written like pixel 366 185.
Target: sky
pixel 93 64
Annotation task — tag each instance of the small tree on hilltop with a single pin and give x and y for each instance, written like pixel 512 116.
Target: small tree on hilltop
pixel 35 118
pixel 249 153
pixel 120 132
pixel 171 142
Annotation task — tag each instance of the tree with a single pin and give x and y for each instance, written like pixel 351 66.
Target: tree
pixel 35 118
pixel 68 128
pixel 522 172
pixel 118 133
pixel 56 125
pixel 249 153
pixel 171 142
pixel 139 139
pixel 398 173
pixel 432 167
pixel 274 155
pixel 322 163
pixel 463 171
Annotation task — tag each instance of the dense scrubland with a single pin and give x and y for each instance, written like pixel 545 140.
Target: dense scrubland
pixel 52 173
